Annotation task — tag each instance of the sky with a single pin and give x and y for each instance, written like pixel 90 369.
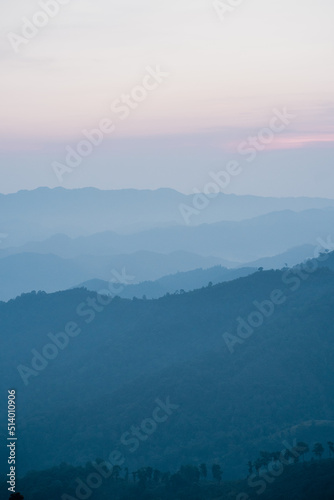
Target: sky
pixel 181 87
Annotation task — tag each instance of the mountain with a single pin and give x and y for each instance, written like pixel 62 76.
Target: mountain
pixel 41 213
pixel 290 258
pixel 25 272
pixel 182 282
pixel 326 260
pixel 225 397
pixel 235 242
pixel 300 256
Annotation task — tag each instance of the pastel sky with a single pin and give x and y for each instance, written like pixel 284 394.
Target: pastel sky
pixel 225 79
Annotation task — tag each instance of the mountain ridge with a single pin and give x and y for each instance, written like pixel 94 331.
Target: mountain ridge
pixel 136 351
pixel 37 214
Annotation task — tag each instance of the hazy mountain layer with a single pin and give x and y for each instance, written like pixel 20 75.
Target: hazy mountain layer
pixel 243 241
pixel 179 282
pixel 21 273
pixel 41 213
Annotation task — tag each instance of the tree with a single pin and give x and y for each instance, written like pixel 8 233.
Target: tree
pixel 276 458
pixel 116 471
pixel 190 473
pixel 149 473
pixel 156 475
pixel 318 450
pixel 331 448
pixel 250 468
pixel 204 471
pixel 276 455
pixel 265 458
pixel 142 477
pixel 217 472
pixel 303 448
pixel 165 478
pixel 258 465
pixel 16 496
pixel 263 461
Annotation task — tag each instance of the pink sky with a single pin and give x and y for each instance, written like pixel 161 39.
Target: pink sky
pixel 225 77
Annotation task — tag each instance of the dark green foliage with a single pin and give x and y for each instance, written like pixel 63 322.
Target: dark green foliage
pixel 203 470
pixel 278 384
pixel 309 481
pixel 217 473
pixel 318 450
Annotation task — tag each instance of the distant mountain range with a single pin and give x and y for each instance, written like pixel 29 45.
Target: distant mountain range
pixel 140 273
pixel 25 272
pixel 41 213
pixel 145 273
pixel 289 258
pixel 197 278
pixel 235 242
pixel 179 283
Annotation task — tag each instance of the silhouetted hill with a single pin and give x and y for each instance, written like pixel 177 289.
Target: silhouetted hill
pixel 22 273
pixel 327 261
pixel 182 282
pixel 129 354
pixel 289 258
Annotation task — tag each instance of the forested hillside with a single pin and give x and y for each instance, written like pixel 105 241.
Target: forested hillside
pixel 234 389
pixel 311 480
